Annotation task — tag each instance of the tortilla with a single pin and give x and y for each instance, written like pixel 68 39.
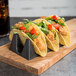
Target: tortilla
pixel 53 45
pixel 24 36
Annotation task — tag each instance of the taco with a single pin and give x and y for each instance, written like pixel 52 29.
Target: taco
pixel 62 29
pixel 49 32
pixel 31 31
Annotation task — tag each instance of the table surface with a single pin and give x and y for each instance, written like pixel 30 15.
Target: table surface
pixel 65 67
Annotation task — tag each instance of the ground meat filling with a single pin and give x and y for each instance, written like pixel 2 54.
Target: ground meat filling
pixel 50 36
pixel 40 43
pixel 62 30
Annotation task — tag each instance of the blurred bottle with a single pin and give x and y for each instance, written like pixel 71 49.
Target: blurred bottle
pixel 4 18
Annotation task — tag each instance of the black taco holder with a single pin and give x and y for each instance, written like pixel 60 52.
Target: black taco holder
pixel 26 51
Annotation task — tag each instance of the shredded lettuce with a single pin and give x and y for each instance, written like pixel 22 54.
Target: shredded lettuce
pixel 47 18
pixel 63 19
pixel 15 27
pixel 55 35
pixel 32 36
pixel 26 21
pixel 45 30
pixel 26 26
pixel 51 22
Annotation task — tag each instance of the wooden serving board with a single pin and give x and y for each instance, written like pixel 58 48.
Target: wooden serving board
pixel 38 65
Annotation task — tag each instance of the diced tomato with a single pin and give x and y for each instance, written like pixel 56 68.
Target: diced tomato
pixel 36 34
pixel 43 16
pixel 56 26
pixel 54 17
pixel 22 28
pixel 33 31
pixel 50 27
pixel 24 31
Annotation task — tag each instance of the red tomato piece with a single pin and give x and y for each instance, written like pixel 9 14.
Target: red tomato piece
pixel 50 27
pixel 22 28
pixel 24 31
pixel 56 26
pixel 36 34
pixel 33 31
pixel 54 17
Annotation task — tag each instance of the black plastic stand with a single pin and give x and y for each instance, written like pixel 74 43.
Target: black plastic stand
pixel 48 50
pixel 25 51
pixel 61 45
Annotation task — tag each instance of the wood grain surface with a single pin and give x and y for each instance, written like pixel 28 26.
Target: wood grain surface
pixel 38 65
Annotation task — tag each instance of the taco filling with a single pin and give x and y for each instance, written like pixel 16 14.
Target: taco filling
pixel 47 30
pixel 28 29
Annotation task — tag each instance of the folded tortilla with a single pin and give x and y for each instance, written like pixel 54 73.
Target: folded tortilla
pixel 63 40
pixel 23 36
pixel 53 45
